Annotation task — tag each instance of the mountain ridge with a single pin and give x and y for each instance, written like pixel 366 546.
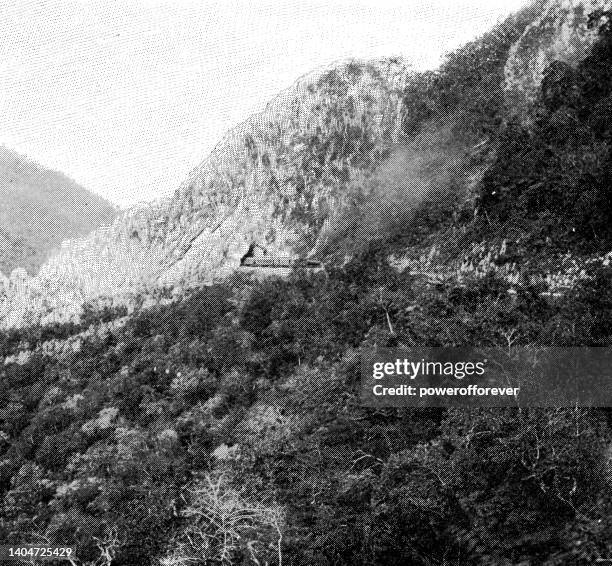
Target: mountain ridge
pixel 62 208
pixel 225 422
pixel 286 175
pixel 252 186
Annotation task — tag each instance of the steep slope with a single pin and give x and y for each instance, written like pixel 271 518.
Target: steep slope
pixel 536 92
pixel 308 168
pixel 40 208
pixel 227 427
pixel 275 179
pixel 560 33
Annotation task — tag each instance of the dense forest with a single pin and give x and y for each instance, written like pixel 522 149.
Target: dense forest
pixel 226 427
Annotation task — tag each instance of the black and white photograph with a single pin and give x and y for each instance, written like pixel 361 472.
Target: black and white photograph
pixel 306 282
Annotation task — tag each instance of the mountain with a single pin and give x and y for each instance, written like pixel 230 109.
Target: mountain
pixel 299 174
pixel 161 406
pixel 39 208
pixel 276 179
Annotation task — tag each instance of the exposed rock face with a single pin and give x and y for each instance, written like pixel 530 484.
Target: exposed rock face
pixel 559 33
pixel 276 179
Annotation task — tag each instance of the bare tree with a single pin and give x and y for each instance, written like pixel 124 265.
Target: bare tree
pixel 223 524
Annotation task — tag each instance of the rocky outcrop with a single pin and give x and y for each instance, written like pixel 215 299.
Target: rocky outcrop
pixel 559 33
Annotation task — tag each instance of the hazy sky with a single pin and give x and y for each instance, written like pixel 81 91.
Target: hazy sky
pixel 128 96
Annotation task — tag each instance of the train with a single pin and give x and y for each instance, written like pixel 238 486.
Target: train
pixel 279 262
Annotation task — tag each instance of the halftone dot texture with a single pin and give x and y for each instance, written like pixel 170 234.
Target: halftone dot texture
pixel 127 97
pixel 39 209
pixel 221 424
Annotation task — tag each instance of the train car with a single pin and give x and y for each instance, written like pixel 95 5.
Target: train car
pixel 263 259
pixel 279 262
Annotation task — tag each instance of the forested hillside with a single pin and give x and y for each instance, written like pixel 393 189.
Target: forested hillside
pixel 223 425
pixel 229 425
pixel 63 210
pixel 276 179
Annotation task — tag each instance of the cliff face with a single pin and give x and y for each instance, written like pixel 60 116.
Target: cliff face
pixel 559 33
pixel 276 179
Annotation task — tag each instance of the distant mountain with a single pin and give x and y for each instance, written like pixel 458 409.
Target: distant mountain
pixel 39 208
